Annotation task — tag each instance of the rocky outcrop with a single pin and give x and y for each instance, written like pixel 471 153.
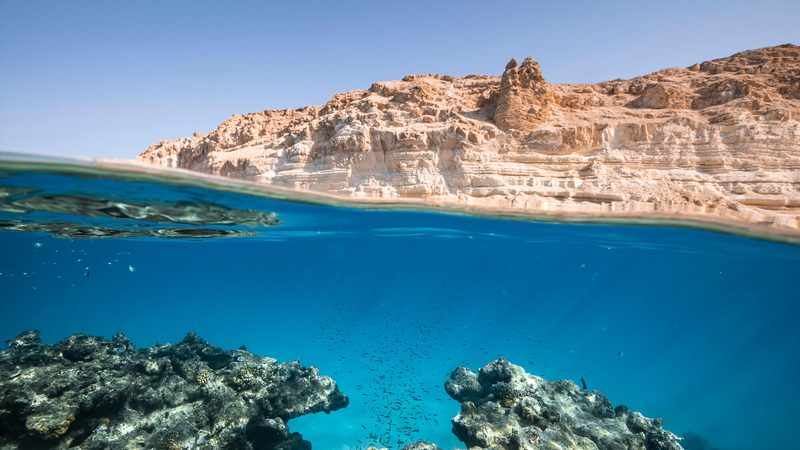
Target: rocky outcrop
pixel 505 408
pixel 716 142
pixel 525 99
pixel 94 393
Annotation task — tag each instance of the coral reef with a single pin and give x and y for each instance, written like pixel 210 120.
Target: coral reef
pixel 505 408
pixel 715 142
pixel 94 393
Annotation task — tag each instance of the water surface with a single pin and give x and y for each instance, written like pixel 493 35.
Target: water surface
pixel 694 326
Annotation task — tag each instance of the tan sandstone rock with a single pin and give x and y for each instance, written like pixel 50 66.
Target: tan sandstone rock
pixel 525 100
pixel 717 142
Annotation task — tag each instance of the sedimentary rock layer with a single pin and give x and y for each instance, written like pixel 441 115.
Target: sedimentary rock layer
pixel 717 141
pixel 94 393
pixel 505 408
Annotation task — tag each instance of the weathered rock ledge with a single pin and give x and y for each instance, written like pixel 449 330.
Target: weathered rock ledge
pixel 717 142
pixel 94 393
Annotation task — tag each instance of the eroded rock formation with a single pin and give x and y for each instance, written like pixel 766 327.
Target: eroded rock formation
pixel 718 141
pixel 525 100
pixel 505 408
pixel 94 393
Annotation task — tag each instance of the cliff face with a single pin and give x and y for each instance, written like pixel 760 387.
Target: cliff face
pixel 717 141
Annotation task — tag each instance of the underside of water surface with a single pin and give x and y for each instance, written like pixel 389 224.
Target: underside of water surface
pixel 696 327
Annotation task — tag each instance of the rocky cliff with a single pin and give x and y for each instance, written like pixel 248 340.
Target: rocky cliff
pixel 718 142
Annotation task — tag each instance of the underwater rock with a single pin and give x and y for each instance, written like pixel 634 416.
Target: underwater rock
pixel 693 441
pixel 421 446
pixel 18 200
pixel 115 217
pixel 503 407
pixel 105 394
pixel 71 230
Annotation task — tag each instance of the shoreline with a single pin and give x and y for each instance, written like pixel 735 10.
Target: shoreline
pixel 141 171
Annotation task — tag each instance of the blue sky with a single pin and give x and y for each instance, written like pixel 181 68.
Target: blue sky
pixel 109 78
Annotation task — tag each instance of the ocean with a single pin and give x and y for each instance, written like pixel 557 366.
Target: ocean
pixel 694 326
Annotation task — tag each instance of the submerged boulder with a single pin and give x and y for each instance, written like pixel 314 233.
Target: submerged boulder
pixel 421 445
pixel 98 394
pixel 505 408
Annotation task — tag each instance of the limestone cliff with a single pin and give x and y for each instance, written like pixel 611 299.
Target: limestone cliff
pixel 718 141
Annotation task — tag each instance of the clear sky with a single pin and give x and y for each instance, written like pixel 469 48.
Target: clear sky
pixel 109 78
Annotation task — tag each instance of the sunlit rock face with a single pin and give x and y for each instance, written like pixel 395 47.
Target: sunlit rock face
pixel 717 141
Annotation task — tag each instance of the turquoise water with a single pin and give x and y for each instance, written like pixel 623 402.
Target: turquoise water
pixel 697 327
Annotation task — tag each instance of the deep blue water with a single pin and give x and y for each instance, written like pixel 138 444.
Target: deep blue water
pixel 697 327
